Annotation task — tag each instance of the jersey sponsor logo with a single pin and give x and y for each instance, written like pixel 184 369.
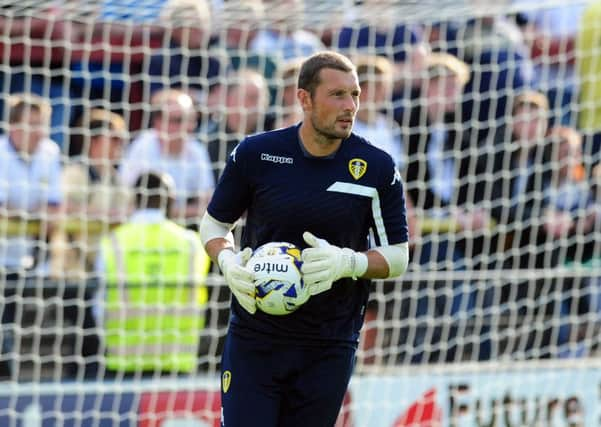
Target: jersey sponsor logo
pixel 276 159
pixel 357 168
pixel 226 380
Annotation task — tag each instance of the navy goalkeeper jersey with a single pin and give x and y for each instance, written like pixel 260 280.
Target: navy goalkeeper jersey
pixel 286 191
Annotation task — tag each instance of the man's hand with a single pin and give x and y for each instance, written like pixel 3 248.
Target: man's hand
pixel 324 263
pixel 239 279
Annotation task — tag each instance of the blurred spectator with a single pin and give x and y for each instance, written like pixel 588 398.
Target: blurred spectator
pixel 285 37
pixel 440 154
pixel 92 196
pixel 371 29
pixel 442 179
pixel 169 147
pixel 114 37
pixel 569 213
pixel 560 224
pixel 288 112
pixel 499 60
pixel 239 23
pixel 36 38
pixel 245 103
pixel 186 62
pixel 92 191
pixel 30 192
pixel 550 34
pixel 153 297
pixel 517 202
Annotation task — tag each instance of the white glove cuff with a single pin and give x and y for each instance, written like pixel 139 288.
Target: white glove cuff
pixel 224 256
pixel 358 265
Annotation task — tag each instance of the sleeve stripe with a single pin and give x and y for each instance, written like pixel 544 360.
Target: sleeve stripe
pixel 372 193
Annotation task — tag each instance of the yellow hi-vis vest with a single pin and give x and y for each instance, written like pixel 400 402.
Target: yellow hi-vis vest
pixel 155 297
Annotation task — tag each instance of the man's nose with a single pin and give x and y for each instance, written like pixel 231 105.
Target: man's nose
pixel 351 104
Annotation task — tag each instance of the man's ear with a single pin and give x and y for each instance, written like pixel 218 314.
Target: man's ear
pixel 304 99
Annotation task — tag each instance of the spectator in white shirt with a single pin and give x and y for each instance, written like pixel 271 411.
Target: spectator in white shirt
pixel 29 178
pixel 29 191
pixel 169 147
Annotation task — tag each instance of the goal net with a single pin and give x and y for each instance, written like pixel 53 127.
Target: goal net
pixel 491 110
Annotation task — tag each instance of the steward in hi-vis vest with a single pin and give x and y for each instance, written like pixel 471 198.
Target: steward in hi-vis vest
pixel 155 297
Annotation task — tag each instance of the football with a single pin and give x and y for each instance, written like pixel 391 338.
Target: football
pixel 278 279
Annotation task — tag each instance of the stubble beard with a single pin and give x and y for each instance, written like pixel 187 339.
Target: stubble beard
pixel 328 135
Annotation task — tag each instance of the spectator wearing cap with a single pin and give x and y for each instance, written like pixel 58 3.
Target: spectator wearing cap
pixel 170 147
pixel 442 180
pixel 94 200
pixel 437 149
pixel 518 153
pixel 92 190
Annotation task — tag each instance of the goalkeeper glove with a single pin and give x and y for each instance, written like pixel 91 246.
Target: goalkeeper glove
pixel 239 279
pixel 324 263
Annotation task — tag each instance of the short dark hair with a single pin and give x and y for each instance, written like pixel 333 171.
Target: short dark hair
pixel 21 103
pixel 154 190
pixel 92 123
pixel 309 78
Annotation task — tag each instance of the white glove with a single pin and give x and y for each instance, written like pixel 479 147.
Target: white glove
pixel 324 263
pixel 240 280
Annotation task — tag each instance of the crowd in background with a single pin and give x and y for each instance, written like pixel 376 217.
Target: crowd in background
pixel 494 122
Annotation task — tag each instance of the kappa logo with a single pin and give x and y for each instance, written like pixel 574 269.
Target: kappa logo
pixel 226 380
pixel 276 159
pixel 357 167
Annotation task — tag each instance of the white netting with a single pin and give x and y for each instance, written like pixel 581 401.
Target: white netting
pixel 505 254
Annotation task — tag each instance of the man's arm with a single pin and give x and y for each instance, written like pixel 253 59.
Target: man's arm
pixel 218 241
pixel 216 236
pixel 324 263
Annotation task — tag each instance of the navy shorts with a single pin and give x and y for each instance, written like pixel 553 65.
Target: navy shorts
pixel 267 384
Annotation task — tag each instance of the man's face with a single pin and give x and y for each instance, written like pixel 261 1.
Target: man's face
pixel 334 104
pixel 443 95
pixel 569 155
pixel 245 106
pixel 175 123
pixel 530 124
pixel 107 148
pixel 27 134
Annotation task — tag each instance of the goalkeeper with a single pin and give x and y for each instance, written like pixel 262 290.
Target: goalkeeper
pixel 323 188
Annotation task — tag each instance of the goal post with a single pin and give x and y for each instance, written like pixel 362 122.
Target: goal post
pixel 501 304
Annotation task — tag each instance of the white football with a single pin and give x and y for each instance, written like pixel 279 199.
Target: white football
pixel 278 279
